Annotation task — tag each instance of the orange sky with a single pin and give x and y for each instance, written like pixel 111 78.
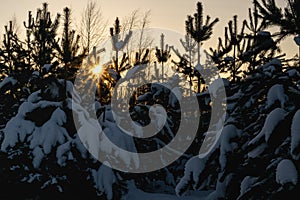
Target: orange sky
pixel 170 14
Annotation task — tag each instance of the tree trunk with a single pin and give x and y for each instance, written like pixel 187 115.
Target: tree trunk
pixel 233 67
pixel 99 89
pixel 190 72
pixel 65 82
pixel 117 61
pixel 162 71
pixel 199 76
pixel 199 83
pixel 299 55
pixel 198 47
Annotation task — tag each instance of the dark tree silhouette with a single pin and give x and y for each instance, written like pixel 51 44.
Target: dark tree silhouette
pixel 118 45
pixel 92 26
pixel 68 50
pixel 288 19
pixel 162 54
pixel 200 31
pixel 44 32
pixel 236 40
pixel 223 48
pixel 13 53
pixel 250 47
pixel 29 28
pixel 261 47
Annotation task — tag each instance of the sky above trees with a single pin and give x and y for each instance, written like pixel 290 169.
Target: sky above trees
pixel 170 14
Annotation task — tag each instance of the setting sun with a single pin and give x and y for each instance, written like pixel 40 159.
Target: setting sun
pixel 97 69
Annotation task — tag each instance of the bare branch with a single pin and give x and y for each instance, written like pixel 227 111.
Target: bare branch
pixel 92 26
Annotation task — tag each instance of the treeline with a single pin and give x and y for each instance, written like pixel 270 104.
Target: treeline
pixel 242 47
pixel 53 48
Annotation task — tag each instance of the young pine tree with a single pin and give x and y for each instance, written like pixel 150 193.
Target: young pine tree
pixel 288 19
pixel 44 32
pixel 68 50
pixel 199 31
pixel 118 45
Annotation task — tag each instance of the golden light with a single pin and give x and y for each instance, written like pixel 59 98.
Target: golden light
pixel 97 70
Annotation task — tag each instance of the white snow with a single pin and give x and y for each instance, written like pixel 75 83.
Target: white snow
pixel 40 139
pixel 158 116
pixel 229 59
pixel 276 93
pixel 145 97
pixel 119 44
pixel 71 92
pixel 286 172
pixel 31 177
pixel 292 72
pixel 136 194
pixel 270 67
pixel 62 153
pixel 51 133
pixel 229 132
pixel 272 120
pixel 89 136
pixel 52 89
pixel 81 148
pixel 16 130
pixel 159 89
pixel 46 68
pixel 112 134
pixel 131 72
pixel 28 107
pixel 35 97
pixel 112 73
pixel 217 86
pixel 220 191
pixel 175 96
pixel 38 156
pixel 247 183
pixel 199 67
pixel 257 150
pixel 104 179
pixel 193 168
pixel 295 136
pixel 8 80
pixel 35 73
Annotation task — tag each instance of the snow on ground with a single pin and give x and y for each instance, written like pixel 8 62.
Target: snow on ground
pixel 136 194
